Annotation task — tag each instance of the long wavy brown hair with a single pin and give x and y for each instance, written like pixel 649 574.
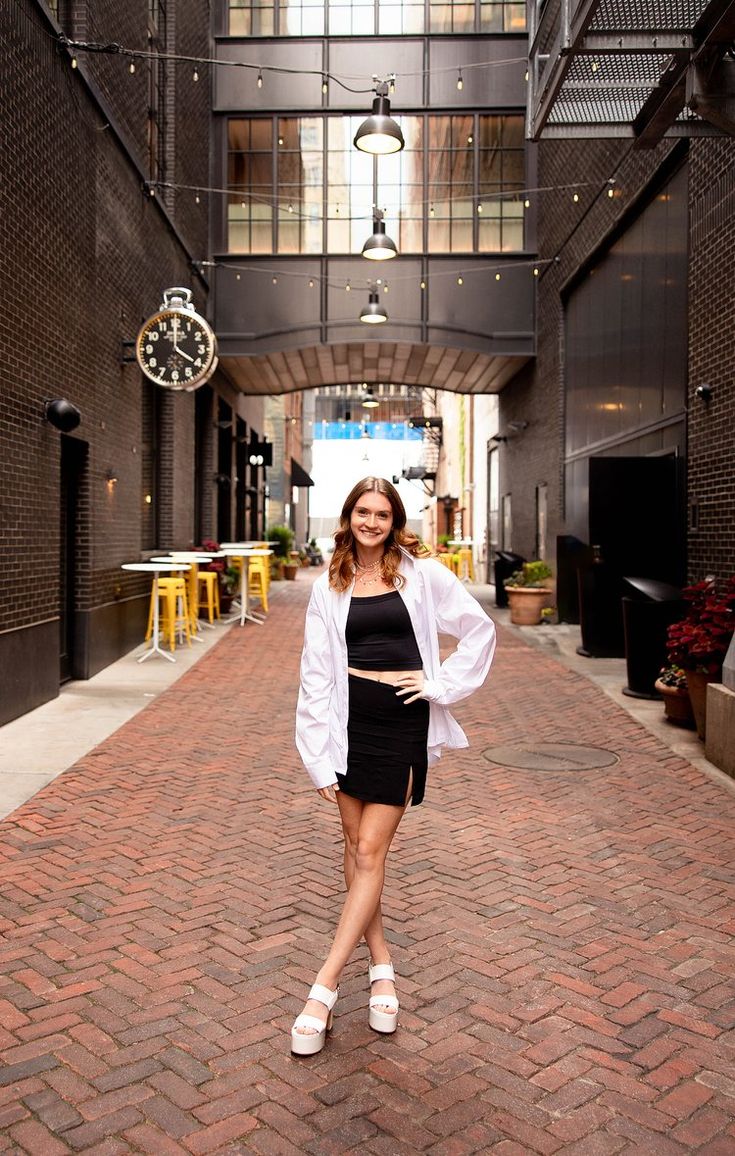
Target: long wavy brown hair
pixel 342 565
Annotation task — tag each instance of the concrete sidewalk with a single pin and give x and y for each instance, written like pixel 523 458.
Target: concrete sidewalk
pixel 563 937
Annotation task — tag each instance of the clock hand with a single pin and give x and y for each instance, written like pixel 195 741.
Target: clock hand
pixel 182 354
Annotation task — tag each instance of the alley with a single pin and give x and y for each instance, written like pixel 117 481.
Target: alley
pixel 563 938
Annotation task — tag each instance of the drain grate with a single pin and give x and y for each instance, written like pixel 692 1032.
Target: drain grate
pixel 551 757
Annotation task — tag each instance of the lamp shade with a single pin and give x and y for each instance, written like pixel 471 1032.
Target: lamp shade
pixel 379 247
pixel 61 414
pixel 379 134
pixel 373 313
pixel 369 400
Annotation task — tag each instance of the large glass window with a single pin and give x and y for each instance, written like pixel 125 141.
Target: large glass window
pixel 283 173
pixel 368 17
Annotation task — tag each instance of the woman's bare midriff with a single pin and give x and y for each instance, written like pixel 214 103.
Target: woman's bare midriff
pixel 388 676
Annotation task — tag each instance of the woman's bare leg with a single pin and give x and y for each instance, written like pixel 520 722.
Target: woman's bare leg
pixel 377 826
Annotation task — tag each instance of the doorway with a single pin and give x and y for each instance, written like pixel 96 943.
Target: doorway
pixel 73 466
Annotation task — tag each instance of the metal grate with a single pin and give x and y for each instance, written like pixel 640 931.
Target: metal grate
pixel 622 68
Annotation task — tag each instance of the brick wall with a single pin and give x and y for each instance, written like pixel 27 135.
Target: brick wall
pixel 90 254
pixel 711 452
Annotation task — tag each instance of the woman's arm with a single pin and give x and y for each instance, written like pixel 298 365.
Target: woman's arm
pixel 315 695
pixel 457 613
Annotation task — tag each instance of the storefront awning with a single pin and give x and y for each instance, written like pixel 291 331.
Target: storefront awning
pixel 299 476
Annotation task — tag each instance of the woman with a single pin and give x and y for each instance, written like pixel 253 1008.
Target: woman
pixel 372 715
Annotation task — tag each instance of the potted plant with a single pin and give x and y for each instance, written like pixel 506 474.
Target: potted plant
pixel 671 684
pixel 291 566
pixel 229 587
pixel 527 591
pixel 699 642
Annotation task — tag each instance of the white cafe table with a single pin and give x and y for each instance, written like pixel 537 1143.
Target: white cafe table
pixel 155 568
pixel 236 550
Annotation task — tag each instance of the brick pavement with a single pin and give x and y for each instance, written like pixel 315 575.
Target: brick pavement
pixel 564 941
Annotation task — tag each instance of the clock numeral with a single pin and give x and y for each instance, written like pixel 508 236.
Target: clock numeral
pixel 201 349
pixel 187 372
pixel 153 336
pixel 152 362
pixel 162 326
pixel 175 375
pixel 198 361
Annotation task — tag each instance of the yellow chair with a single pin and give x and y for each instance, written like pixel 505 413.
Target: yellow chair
pixel 446 560
pixel 208 580
pixel 465 567
pixel 173 610
pixel 258 581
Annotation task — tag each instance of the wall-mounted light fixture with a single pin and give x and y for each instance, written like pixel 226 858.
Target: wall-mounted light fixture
pixel 373 313
pixel 379 246
pixel 111 478
pixel 62 415
pixel 380 134
pixel 704 392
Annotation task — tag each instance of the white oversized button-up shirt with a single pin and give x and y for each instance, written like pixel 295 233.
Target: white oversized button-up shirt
pixel 436 602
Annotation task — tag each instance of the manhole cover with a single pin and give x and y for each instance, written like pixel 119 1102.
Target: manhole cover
pixel 551 757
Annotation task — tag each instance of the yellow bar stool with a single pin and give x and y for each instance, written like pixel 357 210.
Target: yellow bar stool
pixel 207 579
pixel 258 577
pixel 174 611
pixel 465 566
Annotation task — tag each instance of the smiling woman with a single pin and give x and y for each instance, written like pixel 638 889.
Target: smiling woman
pixel 372 714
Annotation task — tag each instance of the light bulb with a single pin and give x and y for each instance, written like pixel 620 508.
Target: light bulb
pixel 460 82
pixel 74 62
pixel 195 75
pixel 274 280
pixel 260 79
pixel 460 280
pixel 497 276
pixel 325 86
pixel 575 198
pixel 535 270
pixel 423 284
pixel 131 67
pixel 527 203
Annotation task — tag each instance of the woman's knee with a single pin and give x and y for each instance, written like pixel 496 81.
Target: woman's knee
pixel 369 853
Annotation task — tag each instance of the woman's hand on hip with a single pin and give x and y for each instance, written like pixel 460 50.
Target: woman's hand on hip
pixel 411 683
pixel 329 793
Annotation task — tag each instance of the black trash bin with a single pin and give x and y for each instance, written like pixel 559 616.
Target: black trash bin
pixel 600 616
pixel 649 608
pixel 506 563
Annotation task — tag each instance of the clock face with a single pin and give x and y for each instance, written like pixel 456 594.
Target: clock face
pixel 176 349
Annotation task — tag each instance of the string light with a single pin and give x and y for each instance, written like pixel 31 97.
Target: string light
pixel 325 86
pixel 348 287
pixel 460 82
pixel 74 62
pixel 131 67
pixel 535 270
pixel 260 79
pixel 527 203
pixel 195 75
pixel 497 276
pixel 422 284
pixel 311 282
pixel 460 280
pixel 575 198
pixel 196 199
pixel 290 207
pixel 275 280
pixel 479 208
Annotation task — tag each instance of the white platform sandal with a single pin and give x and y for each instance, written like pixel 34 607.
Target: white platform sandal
pixel 382 1021
pixel 309 1043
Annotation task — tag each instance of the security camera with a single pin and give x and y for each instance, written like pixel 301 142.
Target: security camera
pixel 704 392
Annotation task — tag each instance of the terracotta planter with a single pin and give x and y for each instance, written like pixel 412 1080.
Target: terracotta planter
pixel 677 705
pixel 526 603
pixel 290 572
pixel 697 683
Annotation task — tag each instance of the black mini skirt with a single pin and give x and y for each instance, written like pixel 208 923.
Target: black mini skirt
pixel 386 741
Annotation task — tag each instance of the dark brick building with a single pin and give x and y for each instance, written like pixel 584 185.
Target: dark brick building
pixel 87 252
pixel 634 313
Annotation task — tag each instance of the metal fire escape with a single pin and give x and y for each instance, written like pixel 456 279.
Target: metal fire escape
pixel 425 471
pixel 644 69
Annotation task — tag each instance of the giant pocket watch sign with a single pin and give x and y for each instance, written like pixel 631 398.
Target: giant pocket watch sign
pixel 176 348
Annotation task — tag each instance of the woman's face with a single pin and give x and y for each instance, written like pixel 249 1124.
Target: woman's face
pixel 371 520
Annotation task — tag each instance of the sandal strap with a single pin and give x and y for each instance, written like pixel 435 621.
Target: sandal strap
pixel 384 1001
pixel 381 971
pixel 306 1021
pixel 323 995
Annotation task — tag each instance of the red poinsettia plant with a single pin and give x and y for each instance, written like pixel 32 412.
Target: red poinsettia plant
pixel 216 564
pixel 700 640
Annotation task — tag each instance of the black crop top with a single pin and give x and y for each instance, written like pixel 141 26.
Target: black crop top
pixel 379 634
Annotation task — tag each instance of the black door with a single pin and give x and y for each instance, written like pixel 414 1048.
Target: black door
pixel 73 458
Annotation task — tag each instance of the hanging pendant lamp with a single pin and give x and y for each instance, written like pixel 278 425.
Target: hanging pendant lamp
pixel 380 134
pixel 379 247
pixel 373 313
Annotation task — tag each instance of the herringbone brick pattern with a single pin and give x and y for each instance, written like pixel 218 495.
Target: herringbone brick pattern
pixel 564 941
